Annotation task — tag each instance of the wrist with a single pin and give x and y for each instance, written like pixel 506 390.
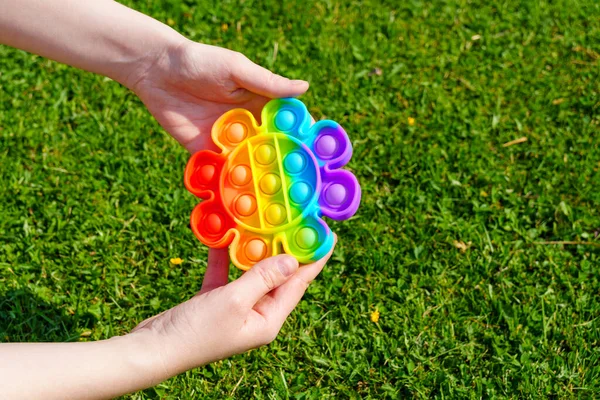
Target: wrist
pixel 159 355
pixel 153 58
pixel 144 356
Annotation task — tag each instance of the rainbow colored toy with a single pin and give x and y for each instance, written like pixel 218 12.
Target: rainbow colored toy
pixel 266 191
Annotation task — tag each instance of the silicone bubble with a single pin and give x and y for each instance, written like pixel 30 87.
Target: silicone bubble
pixel 270 186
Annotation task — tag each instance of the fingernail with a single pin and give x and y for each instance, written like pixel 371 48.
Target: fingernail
pixel 287 265
pixel 299 82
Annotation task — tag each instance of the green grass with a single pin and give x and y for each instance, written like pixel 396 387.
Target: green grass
pixel 92 203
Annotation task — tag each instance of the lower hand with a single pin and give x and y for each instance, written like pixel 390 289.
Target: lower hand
pixel 226 319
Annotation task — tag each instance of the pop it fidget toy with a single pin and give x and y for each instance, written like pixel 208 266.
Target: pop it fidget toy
pixel 265 193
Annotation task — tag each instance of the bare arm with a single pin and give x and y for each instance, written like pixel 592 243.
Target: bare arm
pixel 94 370
pixel 100 36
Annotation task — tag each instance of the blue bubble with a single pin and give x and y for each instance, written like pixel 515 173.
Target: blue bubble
pixel 300 192
pixel 294 163
pixel 285 120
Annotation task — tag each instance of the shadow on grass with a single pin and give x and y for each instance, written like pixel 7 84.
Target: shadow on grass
pixel 25 317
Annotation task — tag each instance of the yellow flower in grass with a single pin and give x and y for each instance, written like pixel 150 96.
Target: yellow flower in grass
pixel 176 261
pixel 411 121
pixel 375 316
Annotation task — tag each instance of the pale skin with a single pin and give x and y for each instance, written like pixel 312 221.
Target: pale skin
pixel 186 86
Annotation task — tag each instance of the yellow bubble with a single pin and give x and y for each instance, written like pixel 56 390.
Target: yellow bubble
pixel 265 154
pixel 270 183
pixel 275 214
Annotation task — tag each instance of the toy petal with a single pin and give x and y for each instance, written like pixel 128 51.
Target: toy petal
pixel 288 116
pixel 248 248
pixel 330 144
pixel 212 225
pixel 309 241
pixel 201 176
pixel 232 128
pixel 340 196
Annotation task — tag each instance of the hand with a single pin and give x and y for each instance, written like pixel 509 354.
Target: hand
pixel 226 319
pixel 189 85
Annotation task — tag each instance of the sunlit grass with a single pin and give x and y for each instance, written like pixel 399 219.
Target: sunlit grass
pixel 454 243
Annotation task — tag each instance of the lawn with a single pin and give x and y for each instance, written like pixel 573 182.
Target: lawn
pixel 482 256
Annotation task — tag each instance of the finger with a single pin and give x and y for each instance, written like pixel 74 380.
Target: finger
pixel 217 272
pixel 277 305
pixel 264 277
pixel 261 81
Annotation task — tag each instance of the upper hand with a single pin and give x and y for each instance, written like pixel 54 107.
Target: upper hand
pixel 189 85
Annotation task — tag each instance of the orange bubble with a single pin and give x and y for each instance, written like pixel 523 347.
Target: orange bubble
pixel 241 175
pixel 245 205
pixel 256 250
pixel 236 132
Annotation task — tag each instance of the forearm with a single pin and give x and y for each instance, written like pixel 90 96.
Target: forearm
pixel 91 370
pixel 100 36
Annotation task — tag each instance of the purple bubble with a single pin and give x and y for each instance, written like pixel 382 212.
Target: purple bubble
pixel 326 146
pixel 335 194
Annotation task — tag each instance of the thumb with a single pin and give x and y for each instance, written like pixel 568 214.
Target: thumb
pixel 261 81
pixel 264 277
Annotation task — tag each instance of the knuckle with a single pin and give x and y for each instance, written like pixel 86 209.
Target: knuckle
pixel 239 58
pixel 270 79
pixel 267 276
pixel 270 335
pixel 236 302
pixel 302 283
pixel 235 62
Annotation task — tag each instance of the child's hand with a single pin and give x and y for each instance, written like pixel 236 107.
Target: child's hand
pixel 185 85
pixel 225 319
pixel 222 320
pixel 189 85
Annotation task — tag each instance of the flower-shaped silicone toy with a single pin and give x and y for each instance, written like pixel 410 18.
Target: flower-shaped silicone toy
pixel 266 191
